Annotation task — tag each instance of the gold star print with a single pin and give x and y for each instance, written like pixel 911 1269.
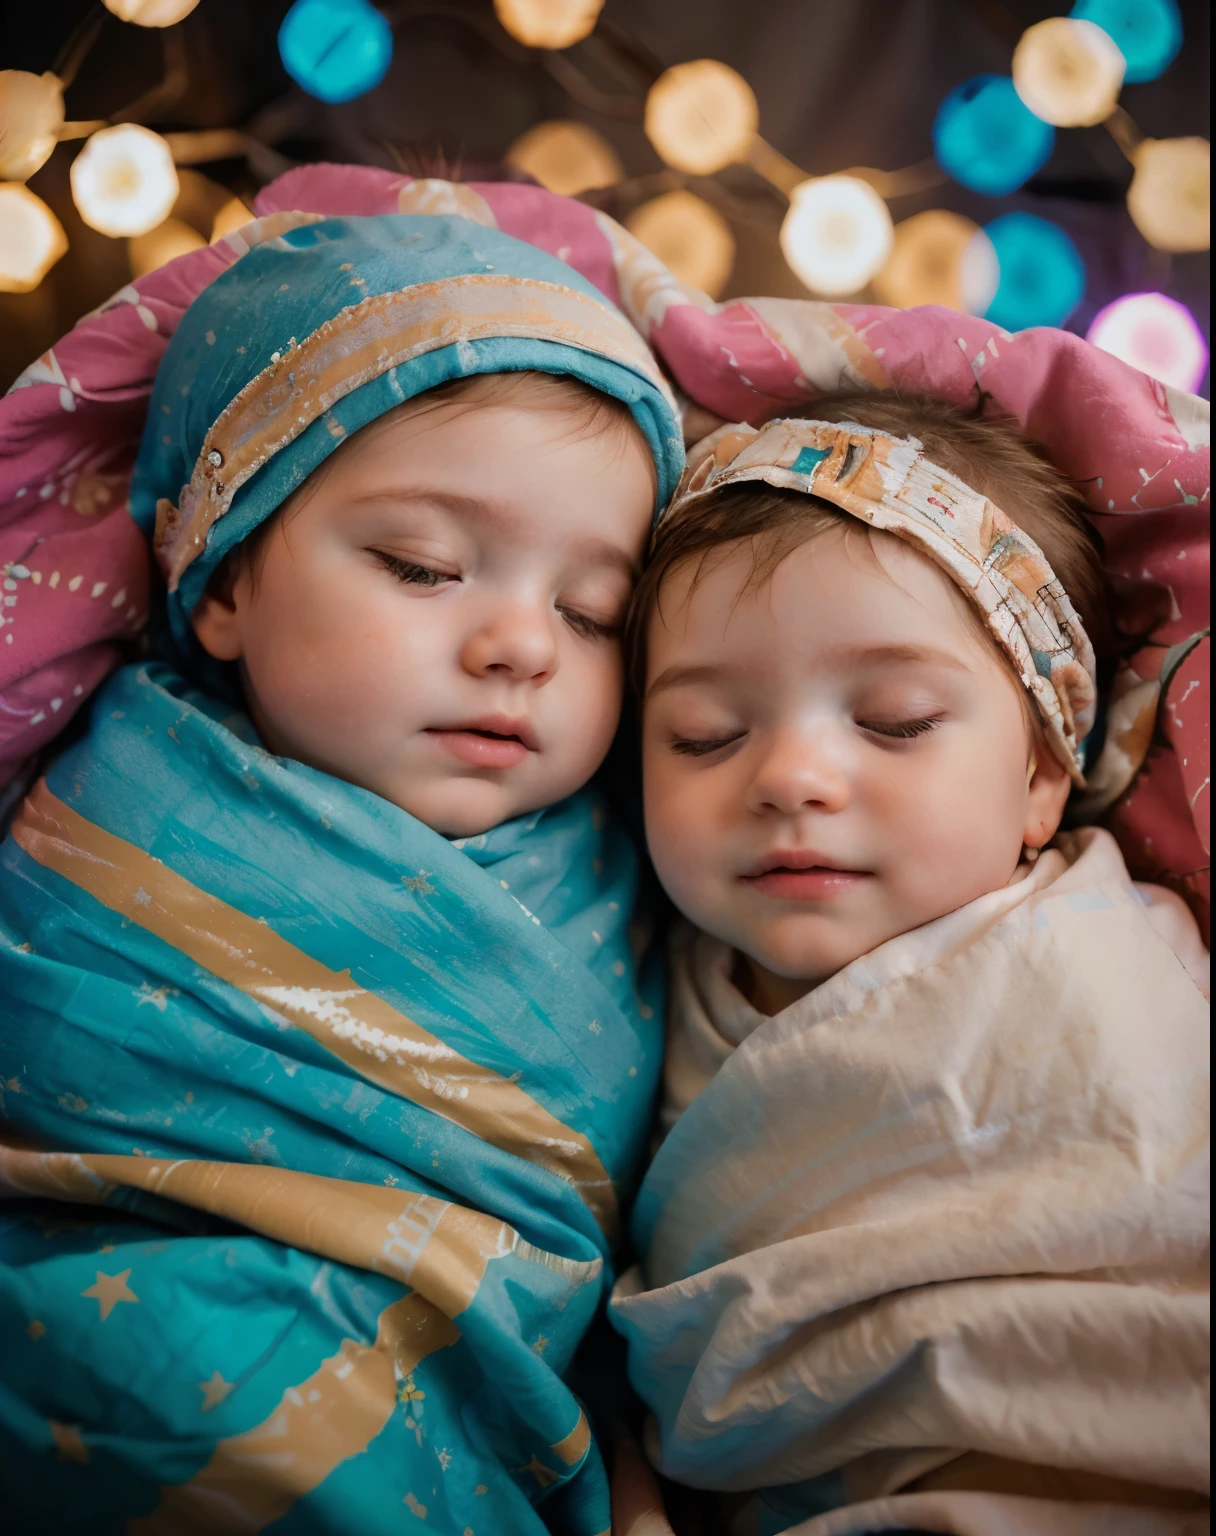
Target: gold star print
pixel 540 1472
pixel 538 1347
pixel 419 883
pixel 108 1290
pixel 407 1392
pixel 36 1330
pixel 444 1458
pixel 68 1442
pixel 214 1391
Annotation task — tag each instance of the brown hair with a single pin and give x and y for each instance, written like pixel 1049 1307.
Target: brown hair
pixel 988 453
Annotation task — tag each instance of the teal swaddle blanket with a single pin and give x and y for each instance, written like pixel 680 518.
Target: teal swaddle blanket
pixel 317 1121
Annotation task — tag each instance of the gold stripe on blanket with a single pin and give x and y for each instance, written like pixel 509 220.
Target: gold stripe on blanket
pixel 438 1248
pixel 360 1028
pixel 254 1478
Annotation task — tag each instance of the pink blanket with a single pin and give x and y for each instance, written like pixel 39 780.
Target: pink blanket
pixel 76 574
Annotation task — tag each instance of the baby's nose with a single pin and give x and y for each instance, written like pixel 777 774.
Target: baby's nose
pixel 798 771
pixel 517 640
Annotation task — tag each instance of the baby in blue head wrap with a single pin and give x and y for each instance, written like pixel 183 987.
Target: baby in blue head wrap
pixel 328 1007
pixel 427 588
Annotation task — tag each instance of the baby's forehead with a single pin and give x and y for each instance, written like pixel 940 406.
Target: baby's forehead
pixel 846 592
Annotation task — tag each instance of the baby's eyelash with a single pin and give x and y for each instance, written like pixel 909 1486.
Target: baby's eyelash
pixel 408 571
pixel 591 629
pixel 901 730
pixel 690 747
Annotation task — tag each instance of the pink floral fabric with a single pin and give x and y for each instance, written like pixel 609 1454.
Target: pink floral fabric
pixel 76 573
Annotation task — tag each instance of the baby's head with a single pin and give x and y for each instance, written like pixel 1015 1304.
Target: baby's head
pixel 436 613
pixel 838 746
pixel 401 471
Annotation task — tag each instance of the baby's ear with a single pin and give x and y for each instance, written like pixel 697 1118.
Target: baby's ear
pixel 217 617
pixel 1047 794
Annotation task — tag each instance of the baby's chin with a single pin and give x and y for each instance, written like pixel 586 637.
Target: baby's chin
pixel 460 808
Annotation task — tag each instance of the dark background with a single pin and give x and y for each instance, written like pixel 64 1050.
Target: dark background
pixel 840 83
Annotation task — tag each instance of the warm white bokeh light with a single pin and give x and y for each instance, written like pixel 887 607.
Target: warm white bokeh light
pixel 1068 72
pixel 701 116
pixel 1171 192
pixel 31 239
pixel 31 115
pixel 150 13
pixel 689 237
pixel 1156 335
pixel 124 181
pixel 566 157
pixel 932 262
pixel 231 216
pixel 172 238
pixel 837 234
pixel 548 23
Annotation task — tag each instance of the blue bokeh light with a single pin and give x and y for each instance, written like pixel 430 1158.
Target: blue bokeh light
pixel 335 49
pixel 1042 274
pixel 987 138
pixel 1148 33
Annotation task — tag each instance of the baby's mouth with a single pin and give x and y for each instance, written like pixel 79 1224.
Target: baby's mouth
pixel 496 742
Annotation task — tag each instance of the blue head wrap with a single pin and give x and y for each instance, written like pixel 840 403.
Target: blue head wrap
pixel 329 323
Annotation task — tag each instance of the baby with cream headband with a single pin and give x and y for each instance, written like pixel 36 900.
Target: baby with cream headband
pixel 927 1237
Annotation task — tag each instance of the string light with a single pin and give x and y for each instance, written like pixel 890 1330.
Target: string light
pixel 701 116
pixel 689 237
pixel 1148 33
pixel 1068 72
pixel 150 13
pixel 172 238
pixel 1155 334
pixel 986 137
pixel 231 216
pixel 335 49
pixel 548 23
pixel 1170 195
pixel 1042 276
pixel 31 239
pixel 939 258
pixel 836 235
pixel 31 115
pixel 566 157
pixel 124 181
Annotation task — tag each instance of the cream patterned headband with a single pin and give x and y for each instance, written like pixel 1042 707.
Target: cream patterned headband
pixel 888 483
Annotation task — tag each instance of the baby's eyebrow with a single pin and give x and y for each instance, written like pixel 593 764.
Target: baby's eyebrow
pixel 678 676
pixel 878 654
pixel 865 655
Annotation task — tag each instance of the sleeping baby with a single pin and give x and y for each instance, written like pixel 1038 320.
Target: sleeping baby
pixel 323 1054
pixel 926 1244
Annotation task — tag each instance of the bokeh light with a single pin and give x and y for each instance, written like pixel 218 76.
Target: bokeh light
pixel 986 137
pixel 233 215
pixel 1042 276
pixel 1068 72
pixel 1171 193
pixel 1148 33
pixel 837 234
pixel 172 238
pixel 566 157
pixel 1155 334
pixel 124 181
pixel 938 258
pixel 31 115
pixel 31 239
pixel 701 116
pixel 335 49
pixel 151 13
pixel 689 237
pixel 548 23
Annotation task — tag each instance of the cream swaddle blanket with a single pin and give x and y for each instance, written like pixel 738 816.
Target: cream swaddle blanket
pixel 934 1240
